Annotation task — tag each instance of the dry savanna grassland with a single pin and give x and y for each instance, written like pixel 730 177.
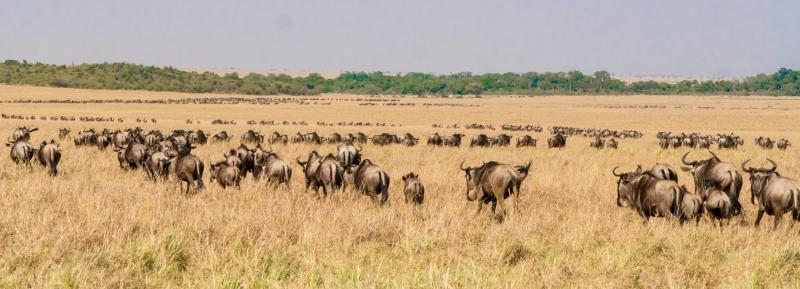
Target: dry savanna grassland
pixel 98 226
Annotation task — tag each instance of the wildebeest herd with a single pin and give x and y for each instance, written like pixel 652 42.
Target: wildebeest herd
pixel 167 156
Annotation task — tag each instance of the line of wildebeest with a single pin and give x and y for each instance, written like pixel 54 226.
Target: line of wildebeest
pixel 668 140
pixel 651 193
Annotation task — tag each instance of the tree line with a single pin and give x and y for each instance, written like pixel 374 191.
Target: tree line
pixel 125 76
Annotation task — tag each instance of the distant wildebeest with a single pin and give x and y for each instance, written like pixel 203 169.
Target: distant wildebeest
pixel 348 154
pixel 612 144
pixel 413 190
pixel 783 144
pixel 276 170
pixel 435 139
pixel 384 139
pixel 480 140
pixel 225 175
pixel 334 138
pixel 649 196
pixel 501 140
pixel 297 138
pixel 49 156
pixel 494 182
pixel 247 161
pixel 131 155
pixel 156 165
pixel 197 137
pixel 310 166
pixel 597 143
pixel 557 141
pixel 221 136
pixel 276 137
pixel 371 180
pixel 408 139
pixel 526 141
pixel 772 193
pixel 312 138
pixel 63 133
pixel 713 172
pixel 189 169
pixel 453 140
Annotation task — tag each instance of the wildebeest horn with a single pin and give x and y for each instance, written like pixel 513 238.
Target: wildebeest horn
pixel 714 155
pixel 774 165
pixel 614 172
pixel 683 159
pixel 461 166
pixel 360 148
pixel 745 168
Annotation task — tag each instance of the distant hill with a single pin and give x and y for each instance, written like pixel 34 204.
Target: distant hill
pixel 140 77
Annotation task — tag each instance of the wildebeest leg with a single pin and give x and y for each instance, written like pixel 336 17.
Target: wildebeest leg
pixel 778 218
pixel 758 218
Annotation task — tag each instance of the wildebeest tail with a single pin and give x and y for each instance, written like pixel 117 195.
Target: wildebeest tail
pixel 384 187
pixel 198 167
pixel 678 202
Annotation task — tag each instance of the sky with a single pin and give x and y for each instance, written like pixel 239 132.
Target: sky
pixel 625 37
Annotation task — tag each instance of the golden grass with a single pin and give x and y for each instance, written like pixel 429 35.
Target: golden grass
pixel 96 226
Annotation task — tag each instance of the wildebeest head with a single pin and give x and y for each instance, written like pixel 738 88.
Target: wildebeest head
pixel 626 184
pixel 694 166
pixel 410 176
pixel 759 177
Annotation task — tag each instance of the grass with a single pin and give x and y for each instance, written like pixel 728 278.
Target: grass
pixel 96 226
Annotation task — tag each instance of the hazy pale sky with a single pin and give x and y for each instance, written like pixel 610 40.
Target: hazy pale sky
pixel 679 37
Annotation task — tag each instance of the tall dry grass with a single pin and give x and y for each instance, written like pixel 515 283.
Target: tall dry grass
pixel 97 226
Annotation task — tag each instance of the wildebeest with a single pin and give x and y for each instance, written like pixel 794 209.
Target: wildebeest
pixel 276 170
pixel 370 179
pixel 783 144
pixel 310 167
pixel 408 139
pixel 713 172
pixel 334 138
pixel 251 136
pixel 328 175
pixel 247 161
pixel 348 154
pixel 131 155
pixel 276 137
pixel 612 143
pixel 384 139
pixel 225 175
pixel 49 156
pixel 63 133
pixel 187 168
pixel 453 140
pixel 21 152
pixel 493 182
pixel 22 133
pixel 648 195
pixel 480 140
pixel 197 137
pixel 221 136
pixel 557 141
pixel 525 141
pixel 413 190
pixel 156 165
pixel 435 139
pixel 597 143
pixel 501 140
pixel 664 171
pixel 772 193
pixel 718 205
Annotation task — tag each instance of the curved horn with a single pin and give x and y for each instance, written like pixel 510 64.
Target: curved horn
pixel 774 165
pixel 714 155
pixel 360 148
pixel 745 168
pixel 683 159
pixel 461 166
pixel 614 172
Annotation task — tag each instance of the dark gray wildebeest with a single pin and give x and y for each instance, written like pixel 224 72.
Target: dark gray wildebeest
pixel 156 165
pixel 612 143
pixel 248 163
pixel 187 168
pixel 348 154
pixel 557 141
pixel 310 167
pixel 453 140
pixel 251 136
pixel 408 139
pixel 102 140
pixel 526 141
pixel 718 205
pixel 369 179
pixel 480 140
pixel 22 133
pixel 648 195
pixel 494 182
pixel 361 138
pixel 21 152
pixel 334 138
pixel 225 175
pixel 328 176
pixel 435 139
pixel 501 140
pixel 49 156
pixel 312 138
pixel 152 138
pixel 783 144
pixel 713 172
pixel 221 136
pixel 276 170
pixel 298 138
pixel 197 137
pixel 664 171
pixel 772 193
pixel 63 133
pixel 277 137
pixel 132 155
pixel 413 190
pixel 597 143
